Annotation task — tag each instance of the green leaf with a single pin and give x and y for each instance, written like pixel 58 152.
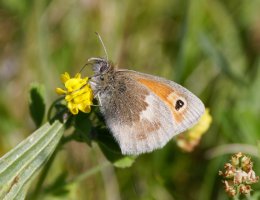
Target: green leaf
pixel 116 158
pixel 219 58
pixel 111 149
pixel 37 103
pixel 106 140
pixel 19 166
pixel 83 128
pixel 126 161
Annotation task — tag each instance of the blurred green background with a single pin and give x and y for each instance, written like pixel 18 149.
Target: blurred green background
pixel 211 47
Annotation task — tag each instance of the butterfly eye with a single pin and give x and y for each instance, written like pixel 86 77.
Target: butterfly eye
pixel 179 104
pixel 102 68
pixel 101 77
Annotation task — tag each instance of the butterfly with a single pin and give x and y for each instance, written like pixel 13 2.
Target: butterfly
pixel 142 111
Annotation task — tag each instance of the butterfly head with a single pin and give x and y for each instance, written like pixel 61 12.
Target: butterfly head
pixel 103 73
pixel 100 65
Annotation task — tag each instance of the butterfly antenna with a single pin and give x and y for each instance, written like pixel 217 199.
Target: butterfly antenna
pixel 103 45
pixel 83 67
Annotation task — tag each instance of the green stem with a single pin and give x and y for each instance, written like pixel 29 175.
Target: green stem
pixel 236 197
pixel 82 176
pixel 237 193
pixel 88 173
pixel 248 196
pixel 52 106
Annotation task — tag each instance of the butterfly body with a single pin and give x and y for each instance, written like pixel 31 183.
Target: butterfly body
pixel 142 111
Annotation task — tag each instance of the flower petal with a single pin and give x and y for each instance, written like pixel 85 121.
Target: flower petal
pixel 60 91
pixel 73 108
pixel 79 95
pixel 78 76
pixel 65 77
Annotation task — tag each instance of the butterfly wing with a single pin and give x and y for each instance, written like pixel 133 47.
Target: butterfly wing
pixel 185 107
pixel 150 112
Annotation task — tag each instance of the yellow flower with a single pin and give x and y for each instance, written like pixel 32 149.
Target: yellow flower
pixel 188 140
pixel 78 94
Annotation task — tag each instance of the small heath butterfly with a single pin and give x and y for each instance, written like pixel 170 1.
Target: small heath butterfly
pixel 142 111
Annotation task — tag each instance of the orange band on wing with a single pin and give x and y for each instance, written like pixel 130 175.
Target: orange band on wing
pixel 165 93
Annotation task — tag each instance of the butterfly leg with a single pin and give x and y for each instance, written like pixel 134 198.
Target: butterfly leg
pixel 99 99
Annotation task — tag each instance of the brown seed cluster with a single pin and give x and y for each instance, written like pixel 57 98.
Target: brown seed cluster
pixel 239 175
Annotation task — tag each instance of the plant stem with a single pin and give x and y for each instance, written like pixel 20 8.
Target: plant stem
pixel 248 196
pixel 88 173
pixel 78 178
pixel 52 106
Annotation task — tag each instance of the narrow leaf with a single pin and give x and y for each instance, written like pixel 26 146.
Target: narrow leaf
pixel 19 166
pixel 37 103
pixel 219 58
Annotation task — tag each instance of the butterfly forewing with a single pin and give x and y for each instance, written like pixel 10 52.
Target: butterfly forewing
pixel 150 111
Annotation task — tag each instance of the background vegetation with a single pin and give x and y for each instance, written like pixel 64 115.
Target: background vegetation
pixel 211 47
